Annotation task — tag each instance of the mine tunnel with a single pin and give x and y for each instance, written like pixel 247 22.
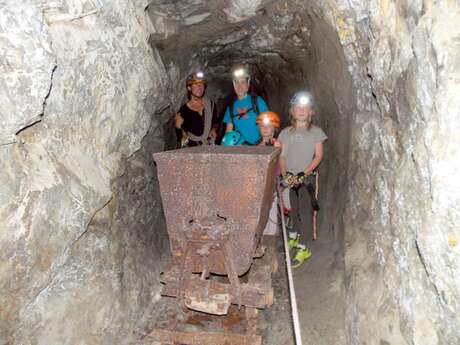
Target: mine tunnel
pixel 89 91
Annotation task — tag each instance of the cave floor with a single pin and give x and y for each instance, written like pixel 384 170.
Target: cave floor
pixel 319 290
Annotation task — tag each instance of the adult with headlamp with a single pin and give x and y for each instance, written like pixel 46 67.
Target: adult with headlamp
pixel 196 120
pixel 241 115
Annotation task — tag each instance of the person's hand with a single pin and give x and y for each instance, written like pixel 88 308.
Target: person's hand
pixel 308 172
pixel 213 133
pixel 179 120
pixel 301 176
pixel 276 143
pixel 185 139
pixel 290 179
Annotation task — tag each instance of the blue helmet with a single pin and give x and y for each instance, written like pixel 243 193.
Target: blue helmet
pixel 303 98
pixel 232 138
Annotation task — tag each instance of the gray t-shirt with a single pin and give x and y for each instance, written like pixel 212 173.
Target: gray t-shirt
pixel 299 146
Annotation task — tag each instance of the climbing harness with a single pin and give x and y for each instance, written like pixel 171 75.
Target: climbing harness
pixel 295 181
pixel 239 115
pixel 295 312
pixel 208 113
pixel 195 78
pixel 255 108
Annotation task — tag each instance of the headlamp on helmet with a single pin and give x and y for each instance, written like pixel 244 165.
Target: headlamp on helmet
pixel 268 118
pixel 240 72
pixel 303 98
pixel 195 78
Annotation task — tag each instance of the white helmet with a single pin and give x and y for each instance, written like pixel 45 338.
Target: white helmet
pixel 240 71
pixel 303 98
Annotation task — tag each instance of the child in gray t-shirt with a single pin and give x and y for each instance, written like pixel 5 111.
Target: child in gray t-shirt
pixel 302 152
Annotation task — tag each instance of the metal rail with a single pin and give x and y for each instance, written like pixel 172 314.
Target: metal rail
pixel 295 312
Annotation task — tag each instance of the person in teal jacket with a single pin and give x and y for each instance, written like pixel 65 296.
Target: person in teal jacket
pixel 241 114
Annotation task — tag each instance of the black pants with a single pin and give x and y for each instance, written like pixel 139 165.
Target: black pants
pixel 302 212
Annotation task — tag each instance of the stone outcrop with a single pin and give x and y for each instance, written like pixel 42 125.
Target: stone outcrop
pixel 80 89
pixel 401 223
pixel 86 100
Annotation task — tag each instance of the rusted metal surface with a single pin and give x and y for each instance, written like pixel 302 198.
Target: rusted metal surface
pixel 253 296
pixel 238 327
pixel 216 202
pixel 218 194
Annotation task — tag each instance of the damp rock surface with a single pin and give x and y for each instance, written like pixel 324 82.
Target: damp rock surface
pixel 88 89
pixel 81 87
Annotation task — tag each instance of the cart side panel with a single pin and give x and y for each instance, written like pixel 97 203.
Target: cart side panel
pixel 237 188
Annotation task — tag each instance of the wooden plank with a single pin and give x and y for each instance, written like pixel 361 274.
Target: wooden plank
pixel 202 338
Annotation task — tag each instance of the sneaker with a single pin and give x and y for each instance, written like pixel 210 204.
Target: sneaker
pixel 302 255
pixel 293 241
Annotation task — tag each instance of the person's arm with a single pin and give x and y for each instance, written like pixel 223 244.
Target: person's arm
pixel 282 165
pixel 229 127
pixel 179 121
pixel 281 138
pixel 319 148
pixel 261 104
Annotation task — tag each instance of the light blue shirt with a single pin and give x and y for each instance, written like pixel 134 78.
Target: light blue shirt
pixel 244 118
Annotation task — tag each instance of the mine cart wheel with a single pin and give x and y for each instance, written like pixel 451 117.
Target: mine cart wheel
pixel 270 297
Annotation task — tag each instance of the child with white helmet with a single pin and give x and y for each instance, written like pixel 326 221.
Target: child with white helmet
pixel 302 152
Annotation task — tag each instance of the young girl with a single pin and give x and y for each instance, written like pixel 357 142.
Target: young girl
pixel 302 152
pixel 269 122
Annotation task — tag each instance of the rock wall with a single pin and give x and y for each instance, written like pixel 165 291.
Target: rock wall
pixel 402 215
pixel 85 100
pixel 80 87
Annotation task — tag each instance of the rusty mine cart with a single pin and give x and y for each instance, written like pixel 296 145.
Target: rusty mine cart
pixel 216 203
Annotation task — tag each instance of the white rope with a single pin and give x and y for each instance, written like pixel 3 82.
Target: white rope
pixel 295 312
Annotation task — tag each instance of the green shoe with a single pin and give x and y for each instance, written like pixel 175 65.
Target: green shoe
pixel 293 240
pixel 300 257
